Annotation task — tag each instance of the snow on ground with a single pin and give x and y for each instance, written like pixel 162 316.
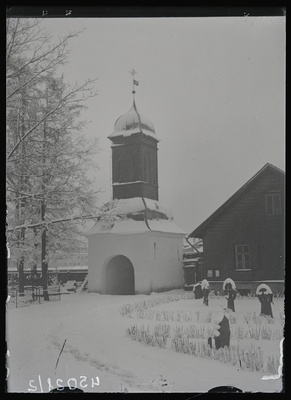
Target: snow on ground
pixel 98 356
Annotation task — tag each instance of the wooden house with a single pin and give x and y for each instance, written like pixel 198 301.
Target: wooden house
pixel 244 238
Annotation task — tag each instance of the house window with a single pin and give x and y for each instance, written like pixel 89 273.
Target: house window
pixel 273 204
pixel 217 273
pixel 209 273
pixel 243 256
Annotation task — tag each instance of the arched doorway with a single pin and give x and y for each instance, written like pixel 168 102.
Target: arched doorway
pixel 120 276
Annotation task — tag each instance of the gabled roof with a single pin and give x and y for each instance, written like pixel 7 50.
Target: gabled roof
pixel 197 232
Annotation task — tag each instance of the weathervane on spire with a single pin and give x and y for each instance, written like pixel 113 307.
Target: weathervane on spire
pixel 134 82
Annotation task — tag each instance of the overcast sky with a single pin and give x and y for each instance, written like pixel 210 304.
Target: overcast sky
pixel 214 89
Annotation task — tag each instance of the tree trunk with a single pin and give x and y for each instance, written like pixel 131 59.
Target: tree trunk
pixel 44 264
pixel 21 215
pixel 34 269
pixel 44 267
pixel 21 277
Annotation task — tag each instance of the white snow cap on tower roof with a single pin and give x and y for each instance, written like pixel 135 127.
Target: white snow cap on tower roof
pixel 139 214
pixel 133 122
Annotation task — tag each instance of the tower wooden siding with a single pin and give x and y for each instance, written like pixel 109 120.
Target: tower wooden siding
pixel 135 161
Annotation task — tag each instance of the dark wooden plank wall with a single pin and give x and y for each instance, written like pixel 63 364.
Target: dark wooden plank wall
pixel 245 222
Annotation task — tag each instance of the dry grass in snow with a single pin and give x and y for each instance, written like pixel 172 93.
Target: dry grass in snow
pixel 192 338
pixel 169 353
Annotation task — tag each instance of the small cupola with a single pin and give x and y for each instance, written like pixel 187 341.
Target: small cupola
pixel 133 122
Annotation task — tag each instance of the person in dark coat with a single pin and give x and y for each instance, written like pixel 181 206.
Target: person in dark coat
pixel 197 291
pixel 205 293
pixel 222 331
pixel 266 299
pixel 230 295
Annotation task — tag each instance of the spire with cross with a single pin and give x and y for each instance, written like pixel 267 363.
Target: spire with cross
pixel 134 82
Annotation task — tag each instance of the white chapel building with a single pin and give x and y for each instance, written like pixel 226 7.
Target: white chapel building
pixel 142 251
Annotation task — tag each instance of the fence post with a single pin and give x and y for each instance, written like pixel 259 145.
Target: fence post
pixel 16 298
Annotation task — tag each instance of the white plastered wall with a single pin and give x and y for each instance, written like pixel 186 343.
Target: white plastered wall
pixel 104 246
pixel 167 267
pixel 156 258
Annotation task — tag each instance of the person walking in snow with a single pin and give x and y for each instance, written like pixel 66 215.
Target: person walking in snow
pixel 205 291
pixel 265 297
pixel 230 293
pixel 266 300
pixel 230 296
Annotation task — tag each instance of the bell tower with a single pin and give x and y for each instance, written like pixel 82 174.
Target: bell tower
pixel 134 155
pixel 142 250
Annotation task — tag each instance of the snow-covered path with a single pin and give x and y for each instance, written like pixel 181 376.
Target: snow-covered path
pixel 96 346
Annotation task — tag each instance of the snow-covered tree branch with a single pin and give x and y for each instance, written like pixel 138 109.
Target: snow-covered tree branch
pixel 49 191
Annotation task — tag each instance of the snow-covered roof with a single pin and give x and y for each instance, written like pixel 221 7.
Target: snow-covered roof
pixel 137 215
pixel 133 122
pixel 162 225
pixel 130 226
pixel 162 208
pixel 132 205
pixel 136 205
pixel 126 183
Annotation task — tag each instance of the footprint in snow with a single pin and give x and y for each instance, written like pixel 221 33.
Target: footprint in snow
pixel 162 383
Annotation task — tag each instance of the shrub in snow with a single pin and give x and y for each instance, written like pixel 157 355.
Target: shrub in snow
pixel 261 319
pixel 269 319
pixel 251 359
pixel 257 332
pixel 179 331
pixel 156 338
pixel 266 333
pixel 203 332
pixel 256 318
pixel 164 315
pixel 232 318
pixel 238 332
pixel 208 318
pixel 271 365
pixel 192 339
pixel 162 330
pixel 144 310
pixel 271 334
pixel 198 313
pixel 247 317
pixel 126 310
pixel 129 309
pixel 184 316
pixel 145 314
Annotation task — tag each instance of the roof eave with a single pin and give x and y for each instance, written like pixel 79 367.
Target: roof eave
pixel 200 230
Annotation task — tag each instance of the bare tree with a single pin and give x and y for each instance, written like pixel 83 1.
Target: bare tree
pixel 30 58
pixel 48 188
